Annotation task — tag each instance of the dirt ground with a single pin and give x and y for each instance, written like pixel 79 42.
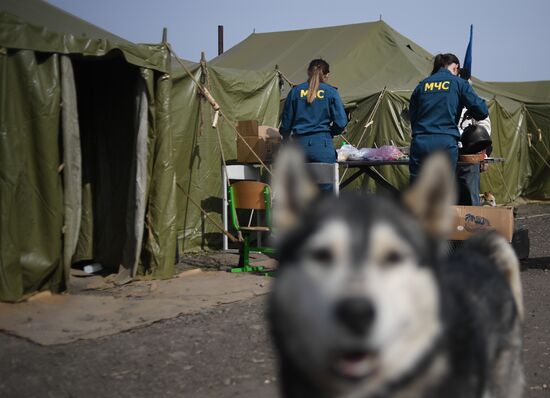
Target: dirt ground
pixel 226 351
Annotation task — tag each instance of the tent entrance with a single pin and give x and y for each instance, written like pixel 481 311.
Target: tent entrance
pixel 107 91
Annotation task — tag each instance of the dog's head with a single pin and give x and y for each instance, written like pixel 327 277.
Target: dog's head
pixel 355 306
pixel 487 199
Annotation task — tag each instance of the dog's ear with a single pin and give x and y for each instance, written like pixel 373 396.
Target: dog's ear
pixel 293 187
pixel 431 196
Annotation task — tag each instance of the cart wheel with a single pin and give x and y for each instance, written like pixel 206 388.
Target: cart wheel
pixel 520 243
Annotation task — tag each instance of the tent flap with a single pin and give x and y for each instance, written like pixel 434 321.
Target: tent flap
pixel 31 193
pixel 72 161
pixel 159 241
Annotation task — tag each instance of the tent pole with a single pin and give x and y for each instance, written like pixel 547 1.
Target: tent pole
pixel 220 39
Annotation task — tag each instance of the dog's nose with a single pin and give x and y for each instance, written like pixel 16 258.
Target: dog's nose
pixel 356 314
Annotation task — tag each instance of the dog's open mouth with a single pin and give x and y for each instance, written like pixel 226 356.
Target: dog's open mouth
pixel 355 365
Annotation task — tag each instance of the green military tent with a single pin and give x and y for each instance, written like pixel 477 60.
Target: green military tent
pixel 83 120
pixel 109 154
pixel 375 69
pixel 104 144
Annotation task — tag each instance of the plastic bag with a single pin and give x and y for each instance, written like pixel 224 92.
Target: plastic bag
pixel 386 152
pixel 347 152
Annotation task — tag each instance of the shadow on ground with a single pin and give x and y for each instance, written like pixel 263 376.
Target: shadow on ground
pixel 535 263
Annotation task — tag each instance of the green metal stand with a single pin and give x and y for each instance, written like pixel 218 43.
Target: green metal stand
pixel 244 253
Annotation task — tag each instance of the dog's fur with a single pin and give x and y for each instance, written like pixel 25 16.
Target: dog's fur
pixel 487 199
pixel 368 304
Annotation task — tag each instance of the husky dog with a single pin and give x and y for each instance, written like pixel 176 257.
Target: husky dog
pixel 368 304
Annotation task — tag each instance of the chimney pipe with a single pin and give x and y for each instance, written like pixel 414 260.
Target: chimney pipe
pixel 220 39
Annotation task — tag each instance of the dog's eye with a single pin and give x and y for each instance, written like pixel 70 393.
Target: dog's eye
pixel 392 257
pixel 322 256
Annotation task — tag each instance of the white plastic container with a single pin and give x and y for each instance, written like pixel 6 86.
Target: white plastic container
pixel 92 268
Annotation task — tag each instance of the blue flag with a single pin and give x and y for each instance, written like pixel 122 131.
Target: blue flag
pixel 466 72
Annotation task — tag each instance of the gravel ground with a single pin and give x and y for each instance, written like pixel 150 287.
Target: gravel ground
pixel 226 352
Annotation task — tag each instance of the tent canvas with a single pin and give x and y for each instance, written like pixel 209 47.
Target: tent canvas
pixel 200 149
pixel 128 120
pixel 372 60
pixel 105 147
pixel 72 108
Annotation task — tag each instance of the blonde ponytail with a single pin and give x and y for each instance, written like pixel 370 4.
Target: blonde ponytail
pixel 317 70
pixel 314 81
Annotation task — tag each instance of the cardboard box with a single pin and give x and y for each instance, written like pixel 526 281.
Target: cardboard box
pixel 472 219
pixel 264 140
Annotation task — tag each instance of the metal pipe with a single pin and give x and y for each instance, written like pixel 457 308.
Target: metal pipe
pixel 220 39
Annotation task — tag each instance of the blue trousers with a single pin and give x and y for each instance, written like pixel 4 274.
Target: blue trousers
pixel 468 179
pixel 318 148
pixel 422 145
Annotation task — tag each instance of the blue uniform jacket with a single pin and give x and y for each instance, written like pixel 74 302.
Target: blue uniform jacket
pixel 436 104
pixel 325 114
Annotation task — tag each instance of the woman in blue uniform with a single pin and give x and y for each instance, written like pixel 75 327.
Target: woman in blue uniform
pixel 313 114
pixel 435 108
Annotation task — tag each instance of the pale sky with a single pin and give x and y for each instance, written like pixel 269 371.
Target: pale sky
pixel 511 38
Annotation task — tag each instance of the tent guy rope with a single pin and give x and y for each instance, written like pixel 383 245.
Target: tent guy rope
pixel 369 123
pixel 286 79
pixel 539 131
pixel 204 91
pixel 371 116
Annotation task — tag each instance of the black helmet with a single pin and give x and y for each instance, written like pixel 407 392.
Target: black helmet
pixel 474 139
